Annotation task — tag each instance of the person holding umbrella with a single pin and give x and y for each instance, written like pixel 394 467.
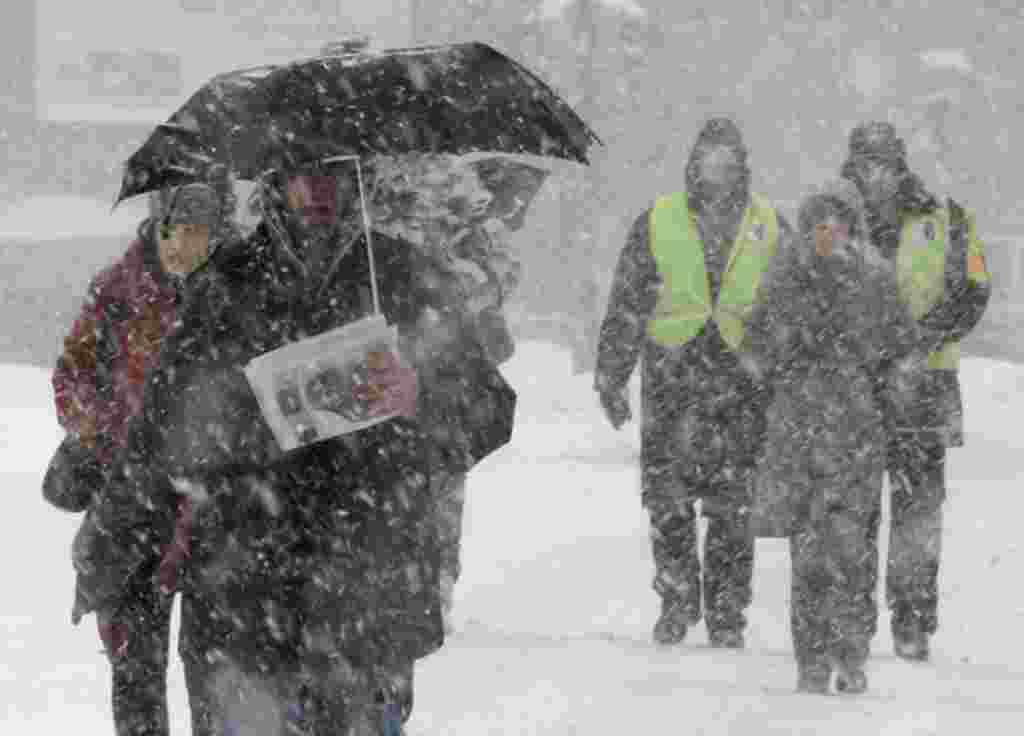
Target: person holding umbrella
pixel 317 566
pixel 943 279
pixel 314 571
pixel 684 285
pixel 131 308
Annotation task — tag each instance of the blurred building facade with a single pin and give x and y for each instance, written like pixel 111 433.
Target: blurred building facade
pixel 85 82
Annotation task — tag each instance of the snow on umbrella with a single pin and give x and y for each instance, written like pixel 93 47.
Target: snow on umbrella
pixel 453 99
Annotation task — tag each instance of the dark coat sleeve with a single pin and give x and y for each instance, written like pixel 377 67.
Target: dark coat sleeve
pixel 966 299
pixel 770 330
pixel 633 297
pixel 961 310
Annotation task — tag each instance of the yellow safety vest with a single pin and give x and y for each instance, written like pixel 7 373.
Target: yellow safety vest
pixel 684 304
pixel 921 271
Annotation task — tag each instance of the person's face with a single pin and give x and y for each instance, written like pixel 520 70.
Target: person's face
pixel 183 248
pixel 830 235
pixel 720 171
pixel 882 181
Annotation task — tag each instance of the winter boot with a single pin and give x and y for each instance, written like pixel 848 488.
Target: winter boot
pixel 726 638
pixel 813 679
pixel 911 644
pixel 672 624
pixel 851 681
pixel 909 637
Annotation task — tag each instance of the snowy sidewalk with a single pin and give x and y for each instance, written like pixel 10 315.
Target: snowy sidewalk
pixel 555 605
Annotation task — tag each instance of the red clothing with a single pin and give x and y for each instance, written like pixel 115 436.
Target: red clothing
pixel 99 379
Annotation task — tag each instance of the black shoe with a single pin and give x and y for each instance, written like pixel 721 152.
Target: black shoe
pixel 671 627
pixel 851 681
pixel 911 644
pixel 726 638
pixel 813 680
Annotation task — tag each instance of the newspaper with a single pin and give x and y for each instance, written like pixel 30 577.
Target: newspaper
pixel 305 389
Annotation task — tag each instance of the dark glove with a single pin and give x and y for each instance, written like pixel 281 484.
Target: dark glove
pixel 614 402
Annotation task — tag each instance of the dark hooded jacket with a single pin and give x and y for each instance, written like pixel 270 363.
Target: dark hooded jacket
pixel 935 413
pixel 702 408
pixel 322 552
pixel 825 336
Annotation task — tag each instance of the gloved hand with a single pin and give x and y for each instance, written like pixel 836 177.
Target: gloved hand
pixel 392 386
pixel 113 633
pixel 614 402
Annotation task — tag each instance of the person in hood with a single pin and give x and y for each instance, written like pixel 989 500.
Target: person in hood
pixel 826 335
pixel 316 569
pixel 943 279
pixel 98 382
pixel 683 288
pixel 483 275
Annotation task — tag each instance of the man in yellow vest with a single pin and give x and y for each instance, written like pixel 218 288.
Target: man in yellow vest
pixel 685 283
pixel 944 282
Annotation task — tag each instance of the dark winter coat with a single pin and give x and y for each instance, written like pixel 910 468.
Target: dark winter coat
pixel 826 336
pixel 702 408
pixel 323 551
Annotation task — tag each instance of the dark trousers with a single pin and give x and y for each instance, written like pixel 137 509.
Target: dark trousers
pixel 313 695
pixel 833 611
pixel 449 502
pixel 139 677
pixel 917 478
pixel 727 576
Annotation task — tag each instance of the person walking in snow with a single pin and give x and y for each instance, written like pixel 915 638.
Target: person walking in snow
pixel 682 290
pixel 476 281
pixel 317 569
pixel 943 279
pixel 828 332
pixel 98 384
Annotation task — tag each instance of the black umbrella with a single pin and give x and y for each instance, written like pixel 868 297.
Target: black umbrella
pixel 452 99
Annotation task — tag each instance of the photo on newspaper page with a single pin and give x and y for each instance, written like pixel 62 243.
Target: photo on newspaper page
pixel 306 388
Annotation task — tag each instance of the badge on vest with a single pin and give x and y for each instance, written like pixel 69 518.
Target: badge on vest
pixel 758 232
pixel 923 234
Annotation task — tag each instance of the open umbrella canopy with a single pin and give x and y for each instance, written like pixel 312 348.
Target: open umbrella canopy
pixel 452 99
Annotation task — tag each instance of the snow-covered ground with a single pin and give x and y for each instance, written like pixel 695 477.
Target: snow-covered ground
pixel 555 608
